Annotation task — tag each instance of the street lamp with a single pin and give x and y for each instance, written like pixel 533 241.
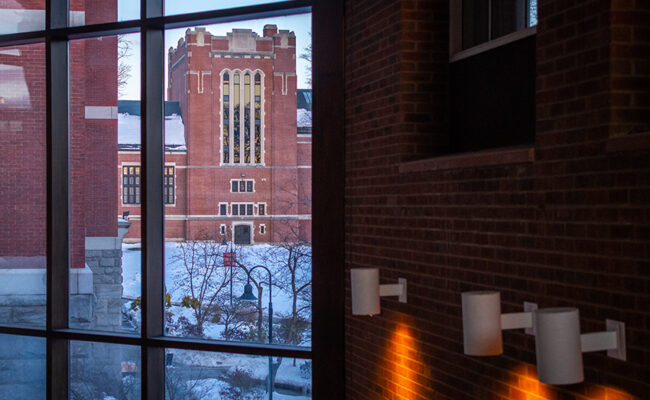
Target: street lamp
pixel 249 296
pixel 231 261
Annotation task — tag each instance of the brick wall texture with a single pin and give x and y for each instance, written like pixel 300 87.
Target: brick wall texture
pixel 571 228
pixel 93 145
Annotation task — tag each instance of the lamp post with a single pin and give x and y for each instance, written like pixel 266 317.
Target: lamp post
pixel 230 262
pixel 249 296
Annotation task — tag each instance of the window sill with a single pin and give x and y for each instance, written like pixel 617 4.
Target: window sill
pixel 492 44
pixel 629 142
pixel 502 156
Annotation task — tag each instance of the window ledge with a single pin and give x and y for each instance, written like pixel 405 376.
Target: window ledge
pixel 629 142
pixel 502 156
pixel 493 44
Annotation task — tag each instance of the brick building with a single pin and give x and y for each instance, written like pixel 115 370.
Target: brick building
pixel 95 240
pixel 237 147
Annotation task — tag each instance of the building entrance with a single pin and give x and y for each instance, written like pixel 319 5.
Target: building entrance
pixel 242 234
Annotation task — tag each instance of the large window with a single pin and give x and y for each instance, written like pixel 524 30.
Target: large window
pixel 67 111
pixel 492 74
pixel 242 98
pixel 131 185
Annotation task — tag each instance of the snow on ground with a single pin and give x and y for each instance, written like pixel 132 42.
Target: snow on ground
pixel 257 365
pixel 251 256
pixel 210 389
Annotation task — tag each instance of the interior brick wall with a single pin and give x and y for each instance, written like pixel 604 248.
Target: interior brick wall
pixel 570 228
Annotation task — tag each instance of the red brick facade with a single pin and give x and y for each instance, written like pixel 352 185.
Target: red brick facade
pixel 569 226
pixel 281 177
pixel 93 148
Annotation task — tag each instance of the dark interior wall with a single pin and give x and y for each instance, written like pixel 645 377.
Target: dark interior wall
pixel 571 228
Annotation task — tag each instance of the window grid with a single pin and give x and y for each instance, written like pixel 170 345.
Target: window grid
pixel 169 185
pixel 242 98
pixel 152 341
pixel 242 186
pixel 131 185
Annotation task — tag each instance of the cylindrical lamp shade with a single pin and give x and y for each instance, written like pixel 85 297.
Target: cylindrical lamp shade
pixel 365 291
pixel 482 323
pixel 557 342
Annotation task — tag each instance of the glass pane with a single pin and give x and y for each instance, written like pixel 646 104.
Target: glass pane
pixel 507 16
pixel 22 368
pixel 22 16
pixel 103 371
pixel 532 12
pixel 105 181
pixel 23 185
pixel 204 375
pixel 475 22
pixel 98 12
pixel 173 7
pixel 265 67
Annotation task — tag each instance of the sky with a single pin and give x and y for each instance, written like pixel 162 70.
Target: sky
pixel 130 9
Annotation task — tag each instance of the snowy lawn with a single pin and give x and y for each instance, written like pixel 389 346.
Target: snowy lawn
pixel 174 270
pixel 250 256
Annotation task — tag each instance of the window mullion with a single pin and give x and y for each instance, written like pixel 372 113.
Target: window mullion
pixel 152 182
pixel 58 204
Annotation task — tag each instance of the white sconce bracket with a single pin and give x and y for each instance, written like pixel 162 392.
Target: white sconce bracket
pixel 559 344
pixel 396 289
pixel 516 320
pixel 366 291
pixel 530 308
pixel 612 340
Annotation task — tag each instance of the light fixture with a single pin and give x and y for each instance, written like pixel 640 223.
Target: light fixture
pixel 559 344
pixel 366 291
pixel 248 293
pixel 483 323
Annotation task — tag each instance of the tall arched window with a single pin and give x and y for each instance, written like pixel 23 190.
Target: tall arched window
pixel 243 133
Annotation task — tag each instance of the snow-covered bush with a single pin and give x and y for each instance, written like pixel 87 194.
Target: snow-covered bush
pixel 241 386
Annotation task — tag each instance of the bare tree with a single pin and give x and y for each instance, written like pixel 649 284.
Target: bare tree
pixel 202 276
pixel 306 55
pixel 292 263
pixel 123 68
pixel 187 384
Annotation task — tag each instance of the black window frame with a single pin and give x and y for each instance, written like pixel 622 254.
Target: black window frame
pixel 169 183
pixel 328 292
pixel 131 185
pixel 133 181
pixel 242 186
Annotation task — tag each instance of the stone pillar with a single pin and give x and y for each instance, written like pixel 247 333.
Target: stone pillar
pixel 104 257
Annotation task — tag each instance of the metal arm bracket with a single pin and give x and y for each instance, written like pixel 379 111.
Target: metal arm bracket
pixel 396 289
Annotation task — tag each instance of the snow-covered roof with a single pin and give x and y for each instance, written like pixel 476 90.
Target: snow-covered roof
pixel 128 126
pixel 303 117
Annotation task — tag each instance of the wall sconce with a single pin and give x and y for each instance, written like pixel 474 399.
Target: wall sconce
pixel 366 291
pixel 483 323
pixel 559 344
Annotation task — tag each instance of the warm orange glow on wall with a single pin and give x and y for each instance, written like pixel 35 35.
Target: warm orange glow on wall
pixel 403 366
pixel 524 385
pixel 607 393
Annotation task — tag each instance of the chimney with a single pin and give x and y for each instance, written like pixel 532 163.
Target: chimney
pixel 270 30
